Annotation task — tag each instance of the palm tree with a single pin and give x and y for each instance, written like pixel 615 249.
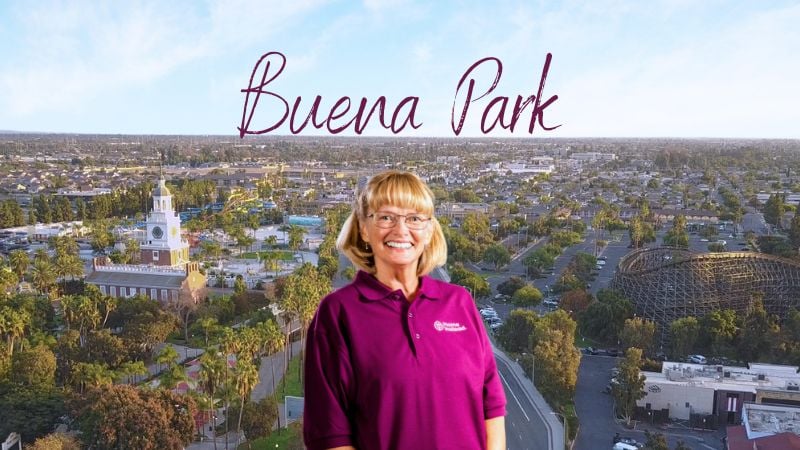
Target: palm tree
pixel 8 279
pixel 42 275
pixel 19 261
pixel 167 356
pixel 208 325
pixel 130 369
pixel 212 368
pixel 296 234
pixel 245 379
pixel 12 324
pixel 66 265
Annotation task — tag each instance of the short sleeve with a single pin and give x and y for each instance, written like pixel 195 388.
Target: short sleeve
pixel 328 379
pixel 494 397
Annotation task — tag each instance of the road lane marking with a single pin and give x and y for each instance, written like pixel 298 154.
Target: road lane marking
pixel 513 395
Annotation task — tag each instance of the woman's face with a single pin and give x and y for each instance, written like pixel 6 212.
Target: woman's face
pixel 396 247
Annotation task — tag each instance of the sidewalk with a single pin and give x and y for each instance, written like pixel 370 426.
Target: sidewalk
pixel 555 429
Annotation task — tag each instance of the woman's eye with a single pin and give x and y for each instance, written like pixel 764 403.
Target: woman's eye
pixel 385 218
pixel 415 219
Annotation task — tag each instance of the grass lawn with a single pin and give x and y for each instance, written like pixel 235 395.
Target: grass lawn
pixel 288 437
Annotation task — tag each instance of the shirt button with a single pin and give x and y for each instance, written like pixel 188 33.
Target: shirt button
pixel 410 315
pixel 417 335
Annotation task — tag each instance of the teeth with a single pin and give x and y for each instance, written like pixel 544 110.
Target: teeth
pixel 398 244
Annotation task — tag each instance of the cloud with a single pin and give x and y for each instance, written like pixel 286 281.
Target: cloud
pixel 71 52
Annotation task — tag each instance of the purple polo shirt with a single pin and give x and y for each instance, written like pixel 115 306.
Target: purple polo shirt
pixel 383 373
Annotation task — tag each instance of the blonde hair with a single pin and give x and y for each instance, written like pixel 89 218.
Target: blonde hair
pixel 392 188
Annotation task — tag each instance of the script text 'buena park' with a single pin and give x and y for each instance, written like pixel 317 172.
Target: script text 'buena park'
pixel 342 114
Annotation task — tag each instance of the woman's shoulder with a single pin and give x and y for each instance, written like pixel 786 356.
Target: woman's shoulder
pixel 436 288
pixel 337 297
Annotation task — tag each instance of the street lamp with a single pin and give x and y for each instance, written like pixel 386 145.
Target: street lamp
pixel 564 418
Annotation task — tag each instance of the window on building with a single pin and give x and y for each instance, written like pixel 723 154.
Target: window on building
pixel 113 291
pixel 155 255
pixel 131 292
pixel 164 295
pixel 103 290
pixel 122 292
pixel 154 294
pixel 174 296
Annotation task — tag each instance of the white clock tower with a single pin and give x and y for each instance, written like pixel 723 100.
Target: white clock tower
pixel 163 245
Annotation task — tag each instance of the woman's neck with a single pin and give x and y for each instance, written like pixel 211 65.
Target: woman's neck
pixel 405 280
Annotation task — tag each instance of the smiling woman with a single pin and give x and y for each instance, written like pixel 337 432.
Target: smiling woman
pixel 397 359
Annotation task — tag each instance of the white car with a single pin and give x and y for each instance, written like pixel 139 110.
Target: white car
pixel 697 359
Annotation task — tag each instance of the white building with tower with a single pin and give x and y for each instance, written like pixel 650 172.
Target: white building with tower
pixel 166 274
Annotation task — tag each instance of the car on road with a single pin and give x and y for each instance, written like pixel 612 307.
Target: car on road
pixel 613 352
pixel 590 350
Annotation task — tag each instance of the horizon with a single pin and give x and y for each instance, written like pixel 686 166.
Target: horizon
pixel 668 69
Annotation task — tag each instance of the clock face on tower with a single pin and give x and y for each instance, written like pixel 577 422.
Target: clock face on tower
pixel 157 232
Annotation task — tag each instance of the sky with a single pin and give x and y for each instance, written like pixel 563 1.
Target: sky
pixel 661 68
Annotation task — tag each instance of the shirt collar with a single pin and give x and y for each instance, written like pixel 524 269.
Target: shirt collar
pixel 371 289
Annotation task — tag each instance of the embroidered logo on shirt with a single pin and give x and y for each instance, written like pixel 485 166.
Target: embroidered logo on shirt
pixel 448 326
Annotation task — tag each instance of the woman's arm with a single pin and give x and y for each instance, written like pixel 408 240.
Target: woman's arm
pixel 496 433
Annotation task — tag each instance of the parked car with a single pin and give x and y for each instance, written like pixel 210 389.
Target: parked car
pixel 590 350
pixel 697 359
pixel 613 352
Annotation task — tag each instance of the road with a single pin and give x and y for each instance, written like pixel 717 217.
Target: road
pixel 528 426
pixel 595 411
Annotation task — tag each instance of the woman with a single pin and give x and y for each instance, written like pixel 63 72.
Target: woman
pixel 397 359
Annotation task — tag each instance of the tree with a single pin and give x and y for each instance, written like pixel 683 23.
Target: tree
pixel 516 331
pixel 478 286
pixel 683 336
pixel 43 276
pixel 575 301
pixel 258 418
pixel 34 367
pixel 716 247
pixel 498 255
pixel 638 332
pixel 605 318
pixel 677 235
pixel 630 384
pixel 19 261
pixel 774 209
pixel 759 333
pixel 527 296
pixel 510 286
pixel 13 323
pixel 794 231
pixel 212 372
pixel 124 417
pixel 245 379
pixel 296 234
pixel 32 411
pixel 557 358
pixel 655 441
pixel 56 441
pixel 718 330
pixel 301 295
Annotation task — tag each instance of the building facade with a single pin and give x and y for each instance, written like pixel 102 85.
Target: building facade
pixel 166 274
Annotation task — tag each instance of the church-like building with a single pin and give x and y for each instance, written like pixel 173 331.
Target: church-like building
pixel 166 272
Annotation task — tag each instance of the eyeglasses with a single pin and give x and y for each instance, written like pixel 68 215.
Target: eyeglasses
pixel 412 221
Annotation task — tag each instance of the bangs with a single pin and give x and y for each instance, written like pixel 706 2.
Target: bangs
pixel 403 190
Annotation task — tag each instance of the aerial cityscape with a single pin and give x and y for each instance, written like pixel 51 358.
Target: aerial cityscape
pixel 647 291
pixel 187 187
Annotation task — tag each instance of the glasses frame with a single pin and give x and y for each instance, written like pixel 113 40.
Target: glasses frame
pixel 396 220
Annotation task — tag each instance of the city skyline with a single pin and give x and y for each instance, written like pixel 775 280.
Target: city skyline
pixel 619 69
